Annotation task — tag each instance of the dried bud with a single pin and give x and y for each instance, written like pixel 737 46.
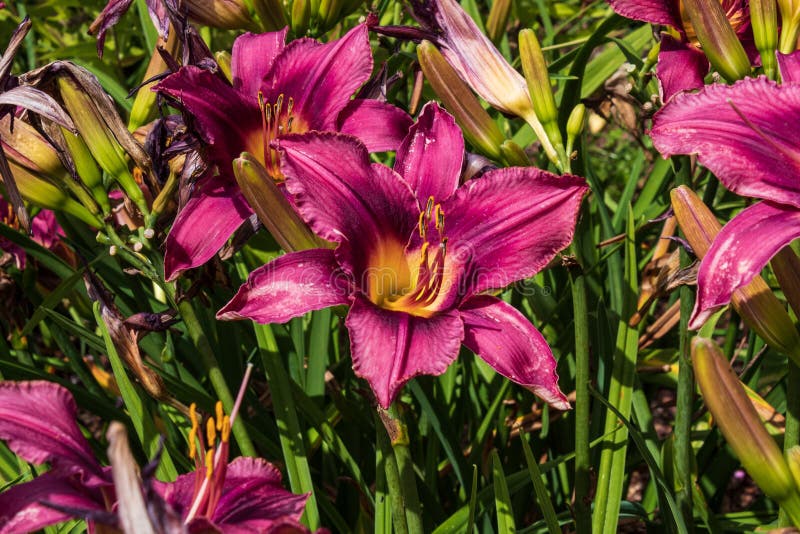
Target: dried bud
pixel 479 128
pixel 738 420
pixel 755 303
pixel 272 207
pixel 718 39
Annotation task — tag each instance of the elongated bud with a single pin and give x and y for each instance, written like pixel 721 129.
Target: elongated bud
pixel 793 459
pixel 328 13
pixel 144 105
pixel 575 125
pixel 790 25
pixel 755 303
pixel 497 20
pixel 513 155
pixel 479 128
pixel 271 14
pixel 95 132
pixel 47 195
pixel 27 148
pixel 87 169
pixel 736 417
pixel 764 21
pixel 301 16
pixel 272 207
pixel 720 43
pixel 223 14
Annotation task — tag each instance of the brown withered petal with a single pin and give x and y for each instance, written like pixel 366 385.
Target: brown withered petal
pixel 13 46
pixel 12 193
pixel 38 102
pixel 151 322
pixel 131 508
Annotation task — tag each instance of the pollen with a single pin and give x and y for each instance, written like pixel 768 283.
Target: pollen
pixel 209 462
pixel 211 432
pixel 220 414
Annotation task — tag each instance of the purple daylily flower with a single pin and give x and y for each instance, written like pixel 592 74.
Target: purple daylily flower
pixel 417 255
pixel 37 421
pixel 278 89
pixel 45 230
pixel 746 134
pixel 681 64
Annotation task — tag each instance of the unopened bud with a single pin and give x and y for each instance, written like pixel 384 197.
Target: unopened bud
pixel 301 16
pixel 513 155
pixel 328 13
pixel 223 59
pixel 718 39
pixel 764 21
pixel 223 14
pixel 272 207
pixel 790 25
pixel 271 14
pixel 755 303
pixel 479 128
pixel 497 20
pixel 143 109
pixel 736 417
pixel 86 168
pixel 534 67
pixel 575 125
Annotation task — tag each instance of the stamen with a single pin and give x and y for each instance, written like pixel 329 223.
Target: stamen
pixel 439 218
pixel 211 433
pixel 220 415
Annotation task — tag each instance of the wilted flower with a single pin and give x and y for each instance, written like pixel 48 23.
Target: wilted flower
pixel 417 254
pixel 278 89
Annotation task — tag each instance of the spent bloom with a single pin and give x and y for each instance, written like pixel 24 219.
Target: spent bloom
pixel 416 255
pixel 278 89
pixel 746 134
pixel 37 421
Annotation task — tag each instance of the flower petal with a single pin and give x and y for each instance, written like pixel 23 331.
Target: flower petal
pixel 789 65
pixel 23 508
pixel 378 125
pixel 653 11
pixel 432 154
pixel 510 223
pixel 390 348
pixel 228 120
pixel 746 133
pixel 321 78
pixel 681 67
pixel 288 287
pixel 733 260
pixel 508 342
pixel 204 225
pixel 252 58
pixel 343 198
pixel 37 420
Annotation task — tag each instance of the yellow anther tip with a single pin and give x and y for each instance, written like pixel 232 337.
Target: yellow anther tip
pixel 209 462
pixel 220 414
pixel 211 432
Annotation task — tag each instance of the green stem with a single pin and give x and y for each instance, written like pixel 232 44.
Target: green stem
pixel 392 478
pixel 791 437
pixel 583 517
pixel 405 464
pixel 292 444
pixel 200 340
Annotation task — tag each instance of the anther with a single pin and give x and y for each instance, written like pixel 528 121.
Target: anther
pixel 220 414
pixel 209 462
pixel 211 432
pixel 225 435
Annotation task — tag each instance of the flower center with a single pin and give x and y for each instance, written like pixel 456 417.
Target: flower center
pixel 211 459
pixel 406 280
pixel 277 120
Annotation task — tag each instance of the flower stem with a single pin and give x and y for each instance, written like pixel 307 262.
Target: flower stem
pixel 389 463
pixel 407 485
pixel 583 512
pixel 292 444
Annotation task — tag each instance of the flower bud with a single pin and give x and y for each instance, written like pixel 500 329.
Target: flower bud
pixel 87 169
pixel 223 14
pixel 738 420
pixel 272 207
pixel 790 25
pixel 764 21
pixel 97 135
pixel 755 303
pixel 223 59
pixel 328 12
pixel 26 147
pixel 144 105
pixel 718 39
pixel 497 20
pixel 479 128
pixel 271 15
pixel 513 155
pixel 301 16
pixel 575 125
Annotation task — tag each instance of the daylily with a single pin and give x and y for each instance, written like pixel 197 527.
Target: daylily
pixel 417 254
pixel 746 134
pixel 681 63
pixel 277 89
pixel 37 421
pixel 45 230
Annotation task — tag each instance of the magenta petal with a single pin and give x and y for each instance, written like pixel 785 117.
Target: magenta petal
pixel 378 125
pixel 508 342
pixel 204 225
pixel 390 348
pixel 37 420
pixel 653 11
pixel 252 57
pixel 681 67
pixel 510 223
pixel 228 120
pixel 432 154
pixel 288 287
pixel 789 65
pixel 739 252
pixel 344 198
pixel 746 133
pixel 321 78
pixel 253 498
pixel 22 509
